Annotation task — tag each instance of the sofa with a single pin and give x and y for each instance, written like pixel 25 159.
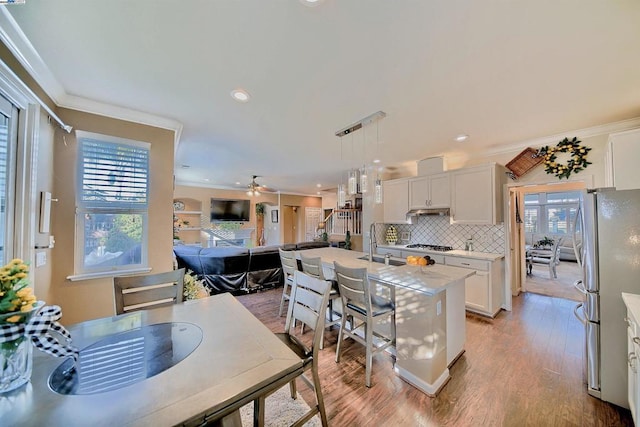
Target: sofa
pixel 237 270
pixel 566 246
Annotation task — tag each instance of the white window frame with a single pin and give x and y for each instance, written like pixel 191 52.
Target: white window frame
pixel 101 207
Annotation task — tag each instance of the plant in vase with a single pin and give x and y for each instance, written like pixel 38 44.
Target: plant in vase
pixel 17 306
pixel 23 321
pixel 193 288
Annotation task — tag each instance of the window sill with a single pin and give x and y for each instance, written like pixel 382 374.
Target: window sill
pixel 89 276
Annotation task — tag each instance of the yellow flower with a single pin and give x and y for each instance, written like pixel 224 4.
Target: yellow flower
pixel 16 261
pixel 14 319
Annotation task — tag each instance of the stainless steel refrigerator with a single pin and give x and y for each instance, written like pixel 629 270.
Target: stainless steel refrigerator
pixel 608 238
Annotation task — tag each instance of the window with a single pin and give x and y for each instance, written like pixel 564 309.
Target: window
pixel 550 213
pixel 8 149
pixel 111 204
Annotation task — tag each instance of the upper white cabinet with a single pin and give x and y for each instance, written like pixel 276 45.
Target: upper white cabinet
pixel 621 159
pixel 395 200
pixel 430 191
pixel 476 194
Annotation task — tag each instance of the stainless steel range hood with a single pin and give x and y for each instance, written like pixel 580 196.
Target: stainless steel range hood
pixel 434 211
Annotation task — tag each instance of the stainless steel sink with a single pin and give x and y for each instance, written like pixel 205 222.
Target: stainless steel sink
pixel 380 259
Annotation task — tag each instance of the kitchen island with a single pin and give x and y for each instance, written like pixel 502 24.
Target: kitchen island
pixel 430 314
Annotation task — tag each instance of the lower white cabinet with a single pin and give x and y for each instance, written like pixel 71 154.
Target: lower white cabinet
pixel 633 371
pixel 483 290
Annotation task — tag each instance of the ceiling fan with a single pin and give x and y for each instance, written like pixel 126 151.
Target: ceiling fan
pixel 254 189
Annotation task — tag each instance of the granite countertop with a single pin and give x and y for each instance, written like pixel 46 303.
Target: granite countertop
pixel 429 280
pixel 486 256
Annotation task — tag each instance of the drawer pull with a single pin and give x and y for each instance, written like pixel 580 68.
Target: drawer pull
pixel 636 340
pixel 626 319
pixel 465 263
pixel 632 358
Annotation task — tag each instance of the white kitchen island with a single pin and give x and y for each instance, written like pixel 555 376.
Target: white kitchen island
pixel 430 314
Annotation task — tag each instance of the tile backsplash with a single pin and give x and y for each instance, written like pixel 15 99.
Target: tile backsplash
pixel 436 230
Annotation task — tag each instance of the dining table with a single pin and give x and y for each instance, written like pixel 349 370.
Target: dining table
pixel 186 364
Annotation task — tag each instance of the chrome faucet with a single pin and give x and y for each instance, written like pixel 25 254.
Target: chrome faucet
pixel 372 240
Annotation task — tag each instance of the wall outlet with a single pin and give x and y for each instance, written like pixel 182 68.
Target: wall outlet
pixel 41 258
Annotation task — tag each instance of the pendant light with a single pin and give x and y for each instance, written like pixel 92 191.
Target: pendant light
pixel 352 181
pixel 364 179
pixel 377 188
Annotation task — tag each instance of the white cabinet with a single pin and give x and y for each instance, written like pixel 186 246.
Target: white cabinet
pixel 633 355
pixel 476 194
pixel 623 152
pixel 430 191
pixel 483 290
pixel 395 200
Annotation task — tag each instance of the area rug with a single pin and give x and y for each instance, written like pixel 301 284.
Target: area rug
pixel 280 410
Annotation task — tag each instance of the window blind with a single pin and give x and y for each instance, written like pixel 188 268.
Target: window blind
pixel 113 175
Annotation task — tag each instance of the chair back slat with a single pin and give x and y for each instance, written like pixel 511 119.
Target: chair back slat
pixel 289 263
pixel 312 266
pixel 354 285
pixel 148 291
pixel 309 299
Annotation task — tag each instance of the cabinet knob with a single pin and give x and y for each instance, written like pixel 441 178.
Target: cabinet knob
pixel 631 359
pixel 636 340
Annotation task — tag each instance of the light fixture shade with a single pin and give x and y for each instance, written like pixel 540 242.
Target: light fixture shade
pixel 342 196
pixel 377 192
pixel 352 182
pixel 364 180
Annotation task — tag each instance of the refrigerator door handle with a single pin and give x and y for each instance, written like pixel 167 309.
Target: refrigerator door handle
pixel 577 247
pixel 582 320
pixel 580 287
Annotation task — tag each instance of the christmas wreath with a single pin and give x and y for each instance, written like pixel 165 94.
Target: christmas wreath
pixel 575 164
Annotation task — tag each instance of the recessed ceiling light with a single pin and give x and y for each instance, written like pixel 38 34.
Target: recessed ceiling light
pixel 461 138
pixel 240 95
pixel 237 182
pixel 318 185
pixel 206 180
pixel 311 3
pixel 376 161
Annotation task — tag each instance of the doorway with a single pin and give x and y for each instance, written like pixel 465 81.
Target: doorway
pixel 538 212
pixel 290 224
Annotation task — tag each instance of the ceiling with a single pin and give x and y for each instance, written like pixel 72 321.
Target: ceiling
pixel 503 72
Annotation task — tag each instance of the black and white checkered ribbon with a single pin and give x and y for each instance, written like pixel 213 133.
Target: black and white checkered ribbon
pixel 38 329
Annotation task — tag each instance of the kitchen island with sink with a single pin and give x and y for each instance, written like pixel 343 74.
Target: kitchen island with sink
pixel 430 314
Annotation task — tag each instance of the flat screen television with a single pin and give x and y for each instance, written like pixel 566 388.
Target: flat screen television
pixel 230 210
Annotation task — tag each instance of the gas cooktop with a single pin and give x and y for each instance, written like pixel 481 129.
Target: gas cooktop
pixel 438 248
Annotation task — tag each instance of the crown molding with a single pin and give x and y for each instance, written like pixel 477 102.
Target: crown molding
pixel 604 129
pixel 17 42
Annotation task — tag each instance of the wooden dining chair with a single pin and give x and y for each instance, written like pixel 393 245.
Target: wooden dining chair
pixel 360 303
pixel 148 291
pixel 289 267
pixel 308 301
pixel 551 261
pixel 312 266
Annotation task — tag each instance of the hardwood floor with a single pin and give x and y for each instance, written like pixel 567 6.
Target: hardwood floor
pixel 562 287
pixel 523 368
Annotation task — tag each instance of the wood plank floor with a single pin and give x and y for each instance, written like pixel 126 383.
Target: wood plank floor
pixel 523 368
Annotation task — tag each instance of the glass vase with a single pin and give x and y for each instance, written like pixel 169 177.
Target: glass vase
pixel 16 355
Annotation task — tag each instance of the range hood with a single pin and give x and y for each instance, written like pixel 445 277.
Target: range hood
pixel 434 211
